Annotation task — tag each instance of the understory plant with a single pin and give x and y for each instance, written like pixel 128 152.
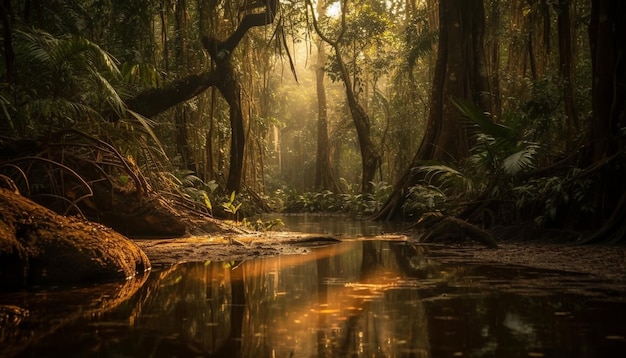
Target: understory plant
pixel 350 200
pixel 499 158
pixel 193 188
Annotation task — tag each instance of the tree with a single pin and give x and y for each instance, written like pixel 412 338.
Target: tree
pixel 459 73
pixel 566 65
pixel 323 172
pixel 370 157
pixel 224 77
pixel 606 33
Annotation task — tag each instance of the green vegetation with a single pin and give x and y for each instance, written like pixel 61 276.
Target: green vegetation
pixel 226 110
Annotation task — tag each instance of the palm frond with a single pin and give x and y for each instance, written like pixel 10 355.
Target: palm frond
pixel 446 176
pixel 147 125
pixel 521 160
pixel 474 113
pixel 69 80
pixel 59 109
pixel 109 93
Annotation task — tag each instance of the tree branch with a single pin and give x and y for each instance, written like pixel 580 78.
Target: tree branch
pixel 157 100
pixel 319 32
pixel 223 49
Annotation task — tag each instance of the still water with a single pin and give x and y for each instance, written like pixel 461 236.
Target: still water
pixel 359 298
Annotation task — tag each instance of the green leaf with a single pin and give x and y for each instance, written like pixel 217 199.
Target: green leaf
pixel 207 201
pixel 474 113
pixel 147 125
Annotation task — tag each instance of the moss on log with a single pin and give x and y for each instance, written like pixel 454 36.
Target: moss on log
pixel 38 246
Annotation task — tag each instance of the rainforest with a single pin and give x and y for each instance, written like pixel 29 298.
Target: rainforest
pixel 137 135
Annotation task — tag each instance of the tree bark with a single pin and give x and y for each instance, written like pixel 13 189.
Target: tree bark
pixel 6 12
pixel 323 171
pixel 460 72
pixel 370 157
pixel 606 35
pixel 155 101
pixel 566 67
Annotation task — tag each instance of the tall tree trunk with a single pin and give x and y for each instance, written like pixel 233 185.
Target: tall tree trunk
pixel 323 171
pixel 607 32
pixel 566 67
pixel 181 117
pixel 182 137
pixel 370 157
pixel 493 58
pixel 210 169
pixel 6 12
pixel 229 87
pixel 460 72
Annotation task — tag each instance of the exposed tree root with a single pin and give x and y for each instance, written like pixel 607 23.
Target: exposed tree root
pixel 449 229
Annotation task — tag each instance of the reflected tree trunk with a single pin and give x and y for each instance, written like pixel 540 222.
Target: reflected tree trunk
pixel 323 273
pixel 232 347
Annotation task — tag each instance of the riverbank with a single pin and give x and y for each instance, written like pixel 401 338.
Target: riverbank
pixel 599 261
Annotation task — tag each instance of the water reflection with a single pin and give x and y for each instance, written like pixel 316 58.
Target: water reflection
pixel 357 299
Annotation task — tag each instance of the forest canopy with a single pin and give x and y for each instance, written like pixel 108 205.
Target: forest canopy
pixel 499 113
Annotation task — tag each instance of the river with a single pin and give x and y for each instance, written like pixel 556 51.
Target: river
pixel 359 298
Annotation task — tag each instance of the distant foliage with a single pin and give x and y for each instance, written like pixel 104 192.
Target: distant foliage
pixel 351 200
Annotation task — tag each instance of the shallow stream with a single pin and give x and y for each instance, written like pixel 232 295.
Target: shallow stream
pixel 359 298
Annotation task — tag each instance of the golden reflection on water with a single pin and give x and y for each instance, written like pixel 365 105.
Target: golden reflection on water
pixel 360 299
pixel 329 303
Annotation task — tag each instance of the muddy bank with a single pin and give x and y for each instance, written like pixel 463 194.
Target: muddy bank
pixel 234 247
pixel 603 262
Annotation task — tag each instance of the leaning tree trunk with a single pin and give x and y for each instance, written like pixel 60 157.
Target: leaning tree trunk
pixel 224 77
pixel 226 81
pixel 370 157
pixel 460 72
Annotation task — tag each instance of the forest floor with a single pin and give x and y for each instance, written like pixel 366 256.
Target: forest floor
pixel 600 261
